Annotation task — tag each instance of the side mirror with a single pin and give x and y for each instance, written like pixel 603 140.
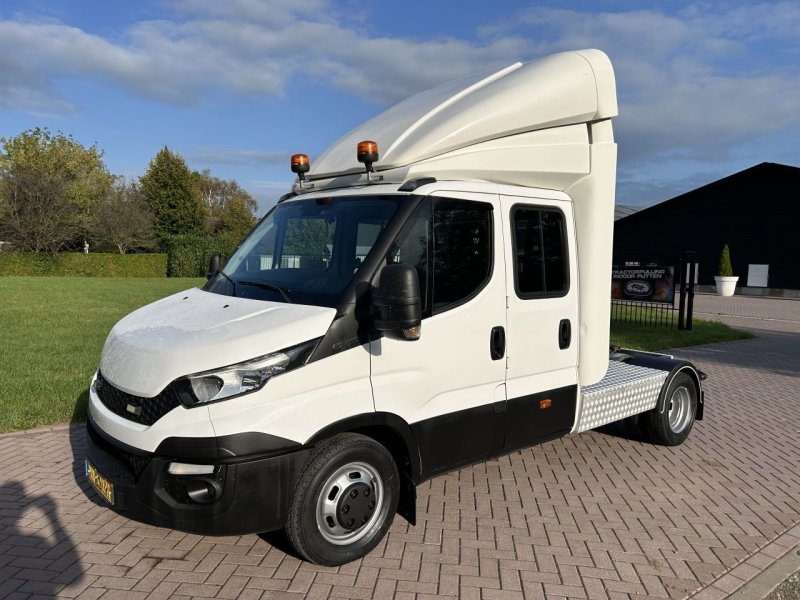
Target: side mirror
pixel 213 266
pixel 397 304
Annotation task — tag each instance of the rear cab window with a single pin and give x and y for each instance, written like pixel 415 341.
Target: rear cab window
pixel 541 259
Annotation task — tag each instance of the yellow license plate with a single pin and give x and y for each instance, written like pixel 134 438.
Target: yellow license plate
pixel 101 485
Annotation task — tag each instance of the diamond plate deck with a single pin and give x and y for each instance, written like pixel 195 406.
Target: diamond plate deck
pixel 624 391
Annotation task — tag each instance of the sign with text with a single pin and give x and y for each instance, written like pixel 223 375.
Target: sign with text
pixel 645 284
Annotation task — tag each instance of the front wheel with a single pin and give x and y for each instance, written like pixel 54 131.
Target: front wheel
pixel 672 426
pixel 345 500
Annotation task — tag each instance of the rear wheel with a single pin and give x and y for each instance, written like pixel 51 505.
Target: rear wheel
pixel 344 501
pixel 672 426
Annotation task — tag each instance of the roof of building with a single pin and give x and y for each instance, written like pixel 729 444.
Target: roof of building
pixel 762 171
pixel 624 210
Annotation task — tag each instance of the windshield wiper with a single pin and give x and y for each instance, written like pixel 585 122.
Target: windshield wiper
pixel 268 286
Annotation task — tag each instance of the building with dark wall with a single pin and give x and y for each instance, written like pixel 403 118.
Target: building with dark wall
pixel 756 212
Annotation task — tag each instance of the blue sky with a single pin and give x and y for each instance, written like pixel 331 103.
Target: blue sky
pixel 705 89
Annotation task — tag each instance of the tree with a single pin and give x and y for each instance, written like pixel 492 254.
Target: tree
pixel 724 269
pixel 167 188
pixel 122 218
pixel 231 210
pixel 49 185
pixel 236 219
pixel 36 218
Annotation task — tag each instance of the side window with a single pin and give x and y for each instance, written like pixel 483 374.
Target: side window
pixel 367 233
pixel 541 266
pixel 450 245
pixel 413 247
pixel 462 250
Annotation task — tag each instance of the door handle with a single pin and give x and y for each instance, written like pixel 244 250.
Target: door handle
pixel 497 343
pixel 564 334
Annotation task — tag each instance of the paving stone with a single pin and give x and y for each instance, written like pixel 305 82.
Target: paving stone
pixel 601 515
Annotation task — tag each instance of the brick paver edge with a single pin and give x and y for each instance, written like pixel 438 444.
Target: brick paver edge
pixel 752 566
pixel 43 429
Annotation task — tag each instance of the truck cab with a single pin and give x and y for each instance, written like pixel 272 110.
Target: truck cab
pixel 397 315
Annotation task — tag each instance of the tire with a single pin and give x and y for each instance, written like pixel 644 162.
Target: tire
pixel 344 501
pixel 672 427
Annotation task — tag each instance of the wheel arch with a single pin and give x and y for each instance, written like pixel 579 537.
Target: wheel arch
pixel 673 366
pixel 395 434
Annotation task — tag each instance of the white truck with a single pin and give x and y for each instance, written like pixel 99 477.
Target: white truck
pixel 434 292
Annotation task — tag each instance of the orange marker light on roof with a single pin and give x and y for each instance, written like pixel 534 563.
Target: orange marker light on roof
pixel 300 165
pixel 367 153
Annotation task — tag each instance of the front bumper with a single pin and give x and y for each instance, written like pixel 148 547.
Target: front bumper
pixel 254 490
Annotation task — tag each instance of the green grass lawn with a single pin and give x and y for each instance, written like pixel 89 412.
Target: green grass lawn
pixel 653 338
pixel 52 330
pixel 640 337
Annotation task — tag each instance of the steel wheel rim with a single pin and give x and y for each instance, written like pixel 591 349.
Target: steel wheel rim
pixel 331 494
pixel 680 409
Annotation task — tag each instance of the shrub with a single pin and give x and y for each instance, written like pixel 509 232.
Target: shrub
pixel 725 269
pixel 188 255
pixel 78 264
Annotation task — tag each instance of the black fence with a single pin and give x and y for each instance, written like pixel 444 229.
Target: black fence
pixel 644 313
pixel 662 314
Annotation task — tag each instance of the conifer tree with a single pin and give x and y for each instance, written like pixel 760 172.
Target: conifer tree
pixel 167 188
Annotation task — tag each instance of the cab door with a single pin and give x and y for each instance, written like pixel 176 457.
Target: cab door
pixel 450 384
pixel 542 337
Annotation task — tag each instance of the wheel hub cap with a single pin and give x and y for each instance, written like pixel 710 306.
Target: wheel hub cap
pixel 349 503
pixel 680 414
pixel 355 506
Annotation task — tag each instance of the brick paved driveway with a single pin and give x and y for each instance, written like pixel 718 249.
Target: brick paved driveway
pixel 589 516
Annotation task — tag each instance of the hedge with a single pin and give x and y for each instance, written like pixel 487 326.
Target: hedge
pixel 188 255
pixel 78 264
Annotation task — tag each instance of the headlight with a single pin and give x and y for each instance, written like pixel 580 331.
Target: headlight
pixel 243 377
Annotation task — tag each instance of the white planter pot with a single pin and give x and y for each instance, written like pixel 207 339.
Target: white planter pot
pixel 726 286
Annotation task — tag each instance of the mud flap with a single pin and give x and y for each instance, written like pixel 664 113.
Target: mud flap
pixel 407 505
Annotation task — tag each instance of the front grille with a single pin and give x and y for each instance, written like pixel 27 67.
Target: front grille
pixel 135 464
pixel 144 411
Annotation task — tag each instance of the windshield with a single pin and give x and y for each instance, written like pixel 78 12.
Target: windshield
pixel 306 251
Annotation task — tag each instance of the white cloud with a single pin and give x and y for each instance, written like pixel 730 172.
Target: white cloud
pixel 246 47
pixel 687 84
pixel 690 83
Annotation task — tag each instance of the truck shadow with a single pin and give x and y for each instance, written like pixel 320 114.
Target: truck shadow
pixel 627 429
pixel 770 351
pixel 53 551
pixel 278 540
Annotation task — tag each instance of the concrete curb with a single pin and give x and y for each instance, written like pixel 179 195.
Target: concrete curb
pixel 760 573
pixel 44 429
pixel 762 585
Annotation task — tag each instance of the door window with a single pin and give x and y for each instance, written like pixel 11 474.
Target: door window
pixel 540 252
pixel 462 241
pixel 449 242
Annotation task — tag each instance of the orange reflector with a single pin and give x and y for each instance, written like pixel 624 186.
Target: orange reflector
pixel 367 152
pixel 546 403
pixel 412 333
pixel 300 163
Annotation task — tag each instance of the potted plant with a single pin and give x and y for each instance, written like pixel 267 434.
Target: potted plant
pixel 726 280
